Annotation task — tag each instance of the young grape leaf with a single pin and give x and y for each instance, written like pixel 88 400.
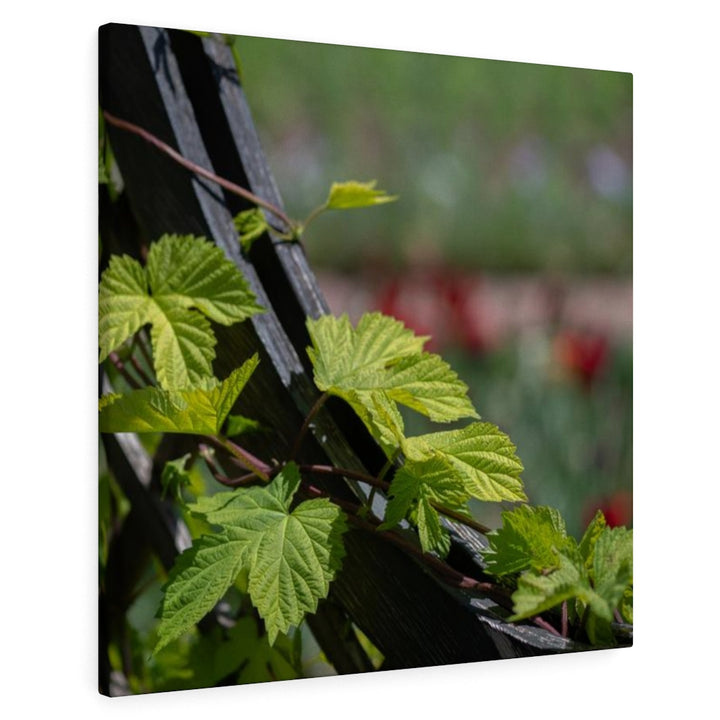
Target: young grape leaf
pixel 530 538
pixel 426 383
pixel 250 225
pixel 376 343
pixel 597 588
pixel 626 604
pixel 381 417
pixel 239 425
pixel 174 477
pixel 414 489
pixel 612 571
pixel 593 531
pixel 197 582
pixel 200 410
pixel 292 556
pixel 124 303
pixel 538 592
pixel 353 194
pixel 611 576
pixel 383 364
pixel 483 455
pixel 187 282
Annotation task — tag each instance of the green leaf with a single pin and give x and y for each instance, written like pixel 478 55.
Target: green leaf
pixel 123 303
pixel 612 570
pixel 607 554
pixel 103 174
pixel 381 365
pixel 250 225
pixel 343 356
pixel 175 477
pixel 267 662
pixel 239 425
pixel 292 556
pixel 353 194
pixel 187 282
pixel 199 579
pixel 593 531
pixel 530 538
pixel 626 604
pixel 538 592
pixel 597 589
pixel 200 410
pixel 381 417
pixel 183 345
pixel 482 454
pixel 599 630
pixel 414 489
pixel 426 383
pixel 195 273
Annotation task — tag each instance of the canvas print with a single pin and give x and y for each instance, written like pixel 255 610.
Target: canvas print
pixel 365 344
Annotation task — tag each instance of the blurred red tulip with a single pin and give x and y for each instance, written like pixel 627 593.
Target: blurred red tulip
pixel 583 354
pixel 617 509
pixel 435 302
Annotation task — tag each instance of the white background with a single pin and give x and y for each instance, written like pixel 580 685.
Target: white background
pixel 48 267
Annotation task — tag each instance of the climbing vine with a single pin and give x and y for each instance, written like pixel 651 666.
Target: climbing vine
pixel 276 535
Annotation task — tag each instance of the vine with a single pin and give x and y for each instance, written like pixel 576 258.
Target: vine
pixel 276 534
pixel 375 367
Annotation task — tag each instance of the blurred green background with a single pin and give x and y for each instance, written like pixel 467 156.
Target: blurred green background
pixel 511 241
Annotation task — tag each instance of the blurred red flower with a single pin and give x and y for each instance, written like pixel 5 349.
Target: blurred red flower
pixel 583 354
pixel 617 509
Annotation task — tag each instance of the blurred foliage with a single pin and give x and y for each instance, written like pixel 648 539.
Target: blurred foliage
pixel 498 165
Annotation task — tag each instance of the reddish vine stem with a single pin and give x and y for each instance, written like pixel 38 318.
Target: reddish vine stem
pixel 246 459
pixel 381 476
pixel 122 369
pixel 141 371
pixel 376 482
pixel 344 472
pixel 306 424
pixel 545 625
pixel 438 566
pixel 564 619
pixel 197 169
pixel 223 479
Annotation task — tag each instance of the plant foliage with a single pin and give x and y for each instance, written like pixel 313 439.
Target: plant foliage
pixel 290 556
pixel 199 410
pixel 187 283
pixel 382 366
pixel 353 194
pixel 594 576
pixel 278 542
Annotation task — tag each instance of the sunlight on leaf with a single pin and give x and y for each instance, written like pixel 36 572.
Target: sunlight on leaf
pixel 199 411
pixel 187 283
pixel 382 365
pixel 250 225
pixel 482 454
pixel 291 555
pixel 353 194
